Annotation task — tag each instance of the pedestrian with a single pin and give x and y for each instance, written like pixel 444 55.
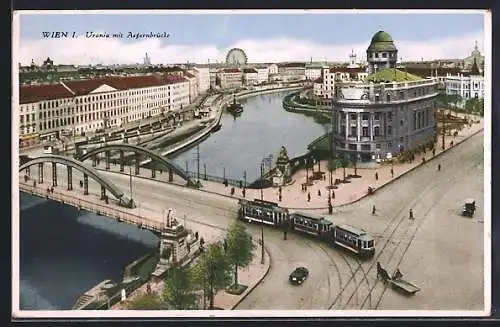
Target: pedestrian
pixel 439 167
pixel 376 176
pixel 333 194
pixel 305 188
pixel 279 197
pixel 433 152
pixel 411 214
pixel 244 192
pixel 392 172
pixel 34 183
pixel 232 190
pixel 319 192
pixel 373 210
pixel 52 190
pixel 309 197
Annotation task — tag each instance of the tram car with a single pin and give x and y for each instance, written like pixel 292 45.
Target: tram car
pixel 350 238
pixel 312 225
pixel 269 213
pixel 354 240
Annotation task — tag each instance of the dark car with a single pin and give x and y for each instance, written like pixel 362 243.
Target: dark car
pixel 299 275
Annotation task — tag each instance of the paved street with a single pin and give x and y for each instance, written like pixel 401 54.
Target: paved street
pixel 434 251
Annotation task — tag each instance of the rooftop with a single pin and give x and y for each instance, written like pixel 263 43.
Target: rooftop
pixel 390 75
pixel 35 93
pixel 231 70
pixel 249 70
pixel 382 41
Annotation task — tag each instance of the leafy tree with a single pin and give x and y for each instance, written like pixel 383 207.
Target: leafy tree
pixel 179 292
pixel 147 301
pixel 469 106
pixel 212 272
pixel 239 248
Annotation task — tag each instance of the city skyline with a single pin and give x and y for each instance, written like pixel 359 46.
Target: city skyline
pixel 271 38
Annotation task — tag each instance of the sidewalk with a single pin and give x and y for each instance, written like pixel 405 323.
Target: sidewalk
pixel 250 276
pixel 293 197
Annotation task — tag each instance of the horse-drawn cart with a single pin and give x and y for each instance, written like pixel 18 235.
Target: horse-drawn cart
pixel 403 285
pixel 397 282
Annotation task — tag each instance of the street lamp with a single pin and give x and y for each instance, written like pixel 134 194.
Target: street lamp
pixel 266 160
pixel 130 175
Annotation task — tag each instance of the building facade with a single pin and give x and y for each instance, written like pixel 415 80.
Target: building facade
pixel 312 72
pixel 388 112
pixel 294 71
pixel 465 85
pixel 87 106
pixel 231 78
pixel 262 74
pixel 323 86
pixel 203 74
pixel 250 76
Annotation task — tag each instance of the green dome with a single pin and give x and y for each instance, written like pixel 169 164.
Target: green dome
pixel 382 41
pixel 381 36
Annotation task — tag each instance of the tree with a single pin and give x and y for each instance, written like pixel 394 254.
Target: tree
pixel 343 163
pixel 239 248
pixel 179 289
pixel 212 272
pixel 332 165
pixel 147 301
pixel 469 106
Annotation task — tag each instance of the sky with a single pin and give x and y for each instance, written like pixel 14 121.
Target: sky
pixel 265 37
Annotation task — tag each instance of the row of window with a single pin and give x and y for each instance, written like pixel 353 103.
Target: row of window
pixel 383 55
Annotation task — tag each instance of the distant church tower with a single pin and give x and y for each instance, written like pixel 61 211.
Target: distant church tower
pixel 147 60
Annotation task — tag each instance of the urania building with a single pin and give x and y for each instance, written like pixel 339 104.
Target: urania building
pixel 385 113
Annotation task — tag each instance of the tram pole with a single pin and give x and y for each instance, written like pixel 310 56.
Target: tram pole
pixel 262 215
pixel 198 161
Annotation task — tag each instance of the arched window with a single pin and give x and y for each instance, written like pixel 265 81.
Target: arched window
pixel 376 131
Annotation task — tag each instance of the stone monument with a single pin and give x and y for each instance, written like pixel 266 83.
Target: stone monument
pixel 177 244
pixel 282 174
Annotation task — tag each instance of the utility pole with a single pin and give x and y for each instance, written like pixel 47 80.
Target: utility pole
pixel 262 214
pixel 130 175
pixel 198 160
pixel 443 132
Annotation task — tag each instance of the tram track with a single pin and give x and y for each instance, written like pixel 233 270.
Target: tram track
pixel 380 251
pixel 449 181
pixel 332 262
pixel 407 229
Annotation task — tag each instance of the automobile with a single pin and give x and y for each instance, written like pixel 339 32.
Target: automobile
pixel 299 275
pixel 469 208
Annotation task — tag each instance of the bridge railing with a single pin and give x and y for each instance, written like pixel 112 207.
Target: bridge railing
pixel 102 209
pixel 213 178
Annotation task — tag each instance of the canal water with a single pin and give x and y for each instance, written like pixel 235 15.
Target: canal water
pixel 242 142
pixel 65 252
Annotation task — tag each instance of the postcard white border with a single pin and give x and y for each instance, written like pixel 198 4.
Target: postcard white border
pixel 17 313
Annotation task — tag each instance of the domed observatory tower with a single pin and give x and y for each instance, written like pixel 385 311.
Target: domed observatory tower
pixel 382 53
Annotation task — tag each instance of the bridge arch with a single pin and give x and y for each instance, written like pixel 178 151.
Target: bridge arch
pixel 89 171
pixel 169 164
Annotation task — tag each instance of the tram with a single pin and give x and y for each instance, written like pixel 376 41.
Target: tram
pixel 350 238
pixel 311 224
pixel 354 240
pixel 269 213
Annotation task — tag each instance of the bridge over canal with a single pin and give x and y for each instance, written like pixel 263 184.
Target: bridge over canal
pixel 139 152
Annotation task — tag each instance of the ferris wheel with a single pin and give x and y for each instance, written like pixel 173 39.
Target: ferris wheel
pixel 236 56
